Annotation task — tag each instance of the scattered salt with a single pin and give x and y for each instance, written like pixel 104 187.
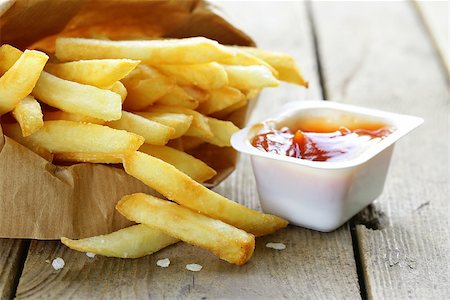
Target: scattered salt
pixel 90 254
pixel 58 263
pixel 276 246
pixel 194 267
pixel 47 261
pixel 163 263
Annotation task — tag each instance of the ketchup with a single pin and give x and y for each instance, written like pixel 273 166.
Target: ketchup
pixel 317 144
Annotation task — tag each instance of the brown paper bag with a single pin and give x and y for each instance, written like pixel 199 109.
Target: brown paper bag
pixel 40 200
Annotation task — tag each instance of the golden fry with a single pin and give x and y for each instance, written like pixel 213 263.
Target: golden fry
pixel 28 114
pixel 221 99
pixel 178 97
pixel 179 122
pixel 189 165
pixel 250 77
pixel 222 132
pixel 120 89
pixel 227 242
pixel 131 242
pixel 177 186
pixel 62 115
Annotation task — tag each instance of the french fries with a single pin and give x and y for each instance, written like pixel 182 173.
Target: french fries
pixel 97 72
pixel 19 80
pixel 131 242
pixel 97 158
pixel 145 85
pixel 189 165
pixel 178 97
pixel 176 51
pixel 62 115
pixel 153 132
pixel 207 76
pixel 67 136
pixel 283 63
pixel 8 56
pixel 177 186
pixel 222 132
pixel 28 114
pixel 119 89
pixel 179 122
pixel 78 98
pixel 250 77
pixel 220 99
pixel 227 242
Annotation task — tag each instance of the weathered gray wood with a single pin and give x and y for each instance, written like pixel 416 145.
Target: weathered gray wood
pixel 11 254
pixel 435 15
pixel 314 265
pixel 377 54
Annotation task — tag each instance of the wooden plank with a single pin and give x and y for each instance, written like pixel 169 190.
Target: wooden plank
pixel 11 260
pixel 435 15
pixel 377 54
pixel 314 265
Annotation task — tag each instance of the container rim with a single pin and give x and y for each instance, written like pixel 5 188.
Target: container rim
pixel 403 124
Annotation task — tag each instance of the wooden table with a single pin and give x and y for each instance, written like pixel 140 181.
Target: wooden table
pixel 386 55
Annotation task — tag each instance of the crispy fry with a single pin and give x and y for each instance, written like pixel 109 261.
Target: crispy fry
pixel 98 158
pixel 78 98
pixel 97 72
pixel 250 77
pixel 66 136
pixel 283 63
pixel 199 126
pixel 179 122
pixel 131 242
pixel 170 51
pixel 145 85
pixel 242 58
pixel 28 114
pixel 189 165
pixel 227 242
pixel 153 132
pixel 221 99
pixel 8 56
pixel 222 132
pixel 177 186
pixel 19 80
pixel 206 76
pixel 62 115
pixel 178 97
pixel 14 132
pixel 120 89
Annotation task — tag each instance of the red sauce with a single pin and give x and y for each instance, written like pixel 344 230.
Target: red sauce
pixel 319 145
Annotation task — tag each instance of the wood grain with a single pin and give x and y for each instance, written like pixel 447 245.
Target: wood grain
pixel 435 15
pixel 314 265
pixel 11 260
pixel 377 54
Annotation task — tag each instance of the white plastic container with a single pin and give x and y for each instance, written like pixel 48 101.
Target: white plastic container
pixel 322 195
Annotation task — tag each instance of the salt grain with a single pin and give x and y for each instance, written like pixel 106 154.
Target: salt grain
pixel 163 263
pixel 58 263
pixel 90 254
pixel 194 267
pixel 276 246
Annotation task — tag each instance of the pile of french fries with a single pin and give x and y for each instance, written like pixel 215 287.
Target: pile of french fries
pixel 141 104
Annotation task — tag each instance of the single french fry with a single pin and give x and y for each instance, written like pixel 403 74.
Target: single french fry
pixel 220 99
pixel 206 76
pixel 19 80
pixel 199 126
pixel 227 242
pixel 222 132
pixel 177 186
pixel 179 122
pixel 8 56
pixel 119 89
pixel 242 58
pixel 78 98
pixel 131 242
pixel 196 93
pixel 62 115
pixel 97 72
pixel 189 165
pixel 169 51
pixel 14 132
pixel 28 114
pixel 145 85
pixel 178 97
pixel 67 136
pixel 153 132
pixel 283 63
pixel 98 158
pixel 250 77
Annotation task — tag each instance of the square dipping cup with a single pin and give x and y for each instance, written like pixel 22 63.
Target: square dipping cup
pixel 322 195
